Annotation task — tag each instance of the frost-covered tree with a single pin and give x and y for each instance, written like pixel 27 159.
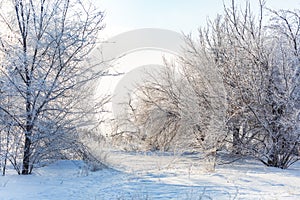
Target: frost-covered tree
pixel 178 107
pixel 43 45
pixel 259 62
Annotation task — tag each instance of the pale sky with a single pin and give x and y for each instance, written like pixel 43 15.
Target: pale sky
pixel 177 15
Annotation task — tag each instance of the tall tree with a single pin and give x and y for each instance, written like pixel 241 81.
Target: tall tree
pixel 43 47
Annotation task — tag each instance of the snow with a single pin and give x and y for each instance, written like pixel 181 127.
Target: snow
pixel 153 176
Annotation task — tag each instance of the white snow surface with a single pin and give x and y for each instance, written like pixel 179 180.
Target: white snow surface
pixel 153 176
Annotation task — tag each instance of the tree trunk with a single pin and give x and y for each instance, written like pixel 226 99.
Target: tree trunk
pixel 236 140
pixel 28 134
pixel 26 158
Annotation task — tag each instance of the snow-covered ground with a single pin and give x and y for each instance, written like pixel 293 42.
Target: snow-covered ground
pixel 153 176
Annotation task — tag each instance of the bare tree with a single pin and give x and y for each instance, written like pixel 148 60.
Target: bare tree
pixel 43 73
pixel 179 107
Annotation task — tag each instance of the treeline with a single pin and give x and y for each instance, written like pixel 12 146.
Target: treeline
pixel 236 89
